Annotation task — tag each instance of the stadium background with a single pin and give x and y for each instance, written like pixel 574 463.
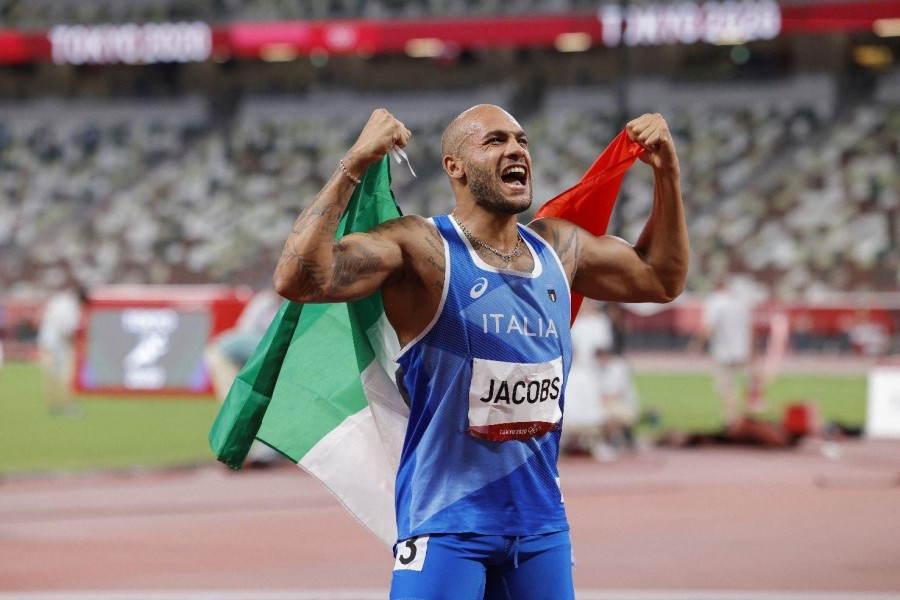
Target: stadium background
pixel 191 173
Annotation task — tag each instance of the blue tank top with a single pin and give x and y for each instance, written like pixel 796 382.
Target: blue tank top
pixel 490 366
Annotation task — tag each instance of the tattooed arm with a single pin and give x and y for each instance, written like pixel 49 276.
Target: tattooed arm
pixel 315 268
pixel 655 267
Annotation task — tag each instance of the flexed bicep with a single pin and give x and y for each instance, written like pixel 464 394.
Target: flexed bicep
pixel 604 267
pixel 315 268
pixel 360 264
pixel 611 269
pixel 363 263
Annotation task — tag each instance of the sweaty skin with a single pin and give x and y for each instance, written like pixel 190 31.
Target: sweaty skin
pixel 486 158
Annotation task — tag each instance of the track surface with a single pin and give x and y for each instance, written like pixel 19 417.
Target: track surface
pixel 664 524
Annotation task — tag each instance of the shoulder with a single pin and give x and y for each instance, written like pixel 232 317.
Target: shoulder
pixel 413 233
pixel 414 293
pixel 419 223
pixel 563 236
pixel 406 233
pixel 420 244
pixel 405 228
pixel 550 228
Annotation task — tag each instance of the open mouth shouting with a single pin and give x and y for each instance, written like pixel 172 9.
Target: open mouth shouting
pixel 515 177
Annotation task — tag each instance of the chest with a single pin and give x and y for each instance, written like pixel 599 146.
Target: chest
pixel 504 314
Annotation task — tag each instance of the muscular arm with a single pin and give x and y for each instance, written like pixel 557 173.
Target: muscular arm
pixel 315 268
pixel 655 267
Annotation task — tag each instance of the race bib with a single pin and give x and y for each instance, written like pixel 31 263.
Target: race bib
pixel 411 554
pixel 514 401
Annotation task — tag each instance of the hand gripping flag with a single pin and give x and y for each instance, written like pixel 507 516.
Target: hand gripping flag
pixel 320 389
pixel 589 203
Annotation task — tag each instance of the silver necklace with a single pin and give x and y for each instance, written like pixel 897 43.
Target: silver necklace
pixel 506 257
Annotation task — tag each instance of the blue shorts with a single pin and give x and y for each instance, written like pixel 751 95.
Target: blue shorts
pixel 465 566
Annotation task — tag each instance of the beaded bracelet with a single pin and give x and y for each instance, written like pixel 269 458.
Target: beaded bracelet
pixel 355 180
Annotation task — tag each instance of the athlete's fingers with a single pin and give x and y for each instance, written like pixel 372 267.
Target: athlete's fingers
pixel 650 131
pixel 636 127
pixel 649 136
pixel 402 138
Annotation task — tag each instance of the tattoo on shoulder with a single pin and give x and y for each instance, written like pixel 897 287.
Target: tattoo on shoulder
pixel 355 259
pixel 310 277
pixel 427 248
pixel 352 261
pixel 566 243
pixel 436 255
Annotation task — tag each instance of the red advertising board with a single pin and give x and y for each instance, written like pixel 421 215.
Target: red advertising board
pixel 640 24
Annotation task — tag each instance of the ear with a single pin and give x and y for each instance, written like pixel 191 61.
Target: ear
pixel 454 167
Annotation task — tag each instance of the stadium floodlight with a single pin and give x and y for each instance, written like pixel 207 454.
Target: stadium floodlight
pixel 577 41
pixel 886 27
pixel 425 48
pixel 278 52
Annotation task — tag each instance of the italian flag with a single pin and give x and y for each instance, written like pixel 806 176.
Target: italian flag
pixel 320 386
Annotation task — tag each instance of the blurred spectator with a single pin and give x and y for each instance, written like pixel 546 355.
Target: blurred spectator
pixel 228 351
pixel 619 402
pixel 582 431
pixel 60 324
pixel 801 420
pixel 617 317
pixel 727 330
pixel 868 336
pixel 601 398
pixel 744 431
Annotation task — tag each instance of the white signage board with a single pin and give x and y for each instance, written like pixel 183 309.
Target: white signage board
pixel 883 410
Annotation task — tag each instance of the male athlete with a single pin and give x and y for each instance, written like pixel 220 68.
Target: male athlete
pixel 481 307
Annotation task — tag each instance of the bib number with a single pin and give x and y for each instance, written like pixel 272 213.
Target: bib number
pixel 514 401
pixel 411 554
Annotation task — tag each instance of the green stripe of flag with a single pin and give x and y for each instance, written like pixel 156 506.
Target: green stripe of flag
pixel 314 391
pixel 320 385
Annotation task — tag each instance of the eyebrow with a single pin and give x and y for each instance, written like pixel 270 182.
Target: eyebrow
pixel 517 133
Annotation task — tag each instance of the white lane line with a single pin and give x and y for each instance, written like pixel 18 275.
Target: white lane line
pixel 382 594
pixel 728 595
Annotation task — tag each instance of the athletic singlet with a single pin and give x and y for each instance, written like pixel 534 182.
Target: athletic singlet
pixel 491 365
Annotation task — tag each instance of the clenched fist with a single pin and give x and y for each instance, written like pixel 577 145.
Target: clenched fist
pixel 652 132
pixel 380 134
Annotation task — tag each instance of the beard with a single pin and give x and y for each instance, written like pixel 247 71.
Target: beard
pixel 486 192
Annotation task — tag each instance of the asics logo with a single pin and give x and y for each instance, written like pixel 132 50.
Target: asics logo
pixel 479 288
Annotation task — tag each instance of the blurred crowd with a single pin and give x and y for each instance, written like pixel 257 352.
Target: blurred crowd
pixel 45 13
pixel 800 196
pixel 803 204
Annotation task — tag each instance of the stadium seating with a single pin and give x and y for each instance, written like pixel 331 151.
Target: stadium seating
pixel 779 182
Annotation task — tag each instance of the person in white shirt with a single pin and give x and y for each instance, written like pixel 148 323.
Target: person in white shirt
pixel 727 327
pixel 619 402
pixel 601 398
pixel 60 323
pixel 584 416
